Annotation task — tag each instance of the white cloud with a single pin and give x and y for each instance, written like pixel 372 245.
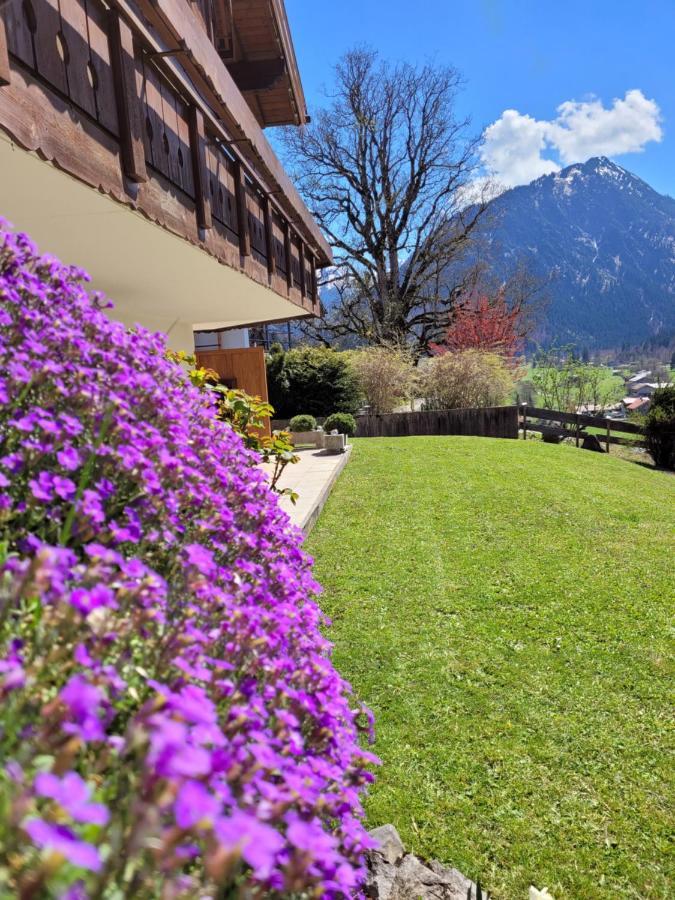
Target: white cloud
pixel 513 148
pixel 515 143
pixel 588 129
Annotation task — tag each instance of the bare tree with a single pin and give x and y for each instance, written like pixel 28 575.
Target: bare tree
pixel 386 169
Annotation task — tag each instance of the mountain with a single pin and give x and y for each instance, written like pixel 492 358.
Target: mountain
pixel 609 240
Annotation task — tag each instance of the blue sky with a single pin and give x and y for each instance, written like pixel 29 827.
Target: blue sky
pixel 530 56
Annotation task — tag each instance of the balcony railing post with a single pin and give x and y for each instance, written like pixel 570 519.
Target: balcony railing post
pixel 288 253
pixel 4 53
pixel 312 266
pixel 242 209
pixel 303 273
pixel 269 237
pixel 128 102
pixel 199 168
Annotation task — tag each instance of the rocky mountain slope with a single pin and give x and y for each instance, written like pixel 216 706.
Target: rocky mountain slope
pixel 607 238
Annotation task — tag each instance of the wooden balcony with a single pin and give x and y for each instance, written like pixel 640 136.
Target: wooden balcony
pixel 133 99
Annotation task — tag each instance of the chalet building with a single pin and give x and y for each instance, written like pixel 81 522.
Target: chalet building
pixel 132 144
pixel 645 389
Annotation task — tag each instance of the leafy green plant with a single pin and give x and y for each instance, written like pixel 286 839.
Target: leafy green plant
pixel 302 423
pixel 660 427
pixel 344 423
pixel 247 416
pixel 316 380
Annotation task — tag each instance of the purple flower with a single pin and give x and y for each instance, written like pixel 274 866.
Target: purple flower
pixel 19 372
pixel 42 487
pixel 72 794
pixel 309 836
pixel 60 839
pixel 68 458
pixel 77 891
pixel 200 558
pixel 64 487
pixel 86 600
pixel 84 701
pixel 12 675
pixel 194 804
pixel 259 843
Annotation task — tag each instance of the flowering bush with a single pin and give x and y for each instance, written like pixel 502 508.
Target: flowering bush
pixel 171 724
pixel 490 324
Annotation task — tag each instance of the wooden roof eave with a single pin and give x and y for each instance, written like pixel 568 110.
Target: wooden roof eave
pixel 174 23
pixel 284 32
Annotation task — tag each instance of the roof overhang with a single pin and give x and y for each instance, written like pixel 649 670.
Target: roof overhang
pixel 260 57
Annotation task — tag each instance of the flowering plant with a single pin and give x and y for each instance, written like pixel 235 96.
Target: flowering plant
pixel 171 724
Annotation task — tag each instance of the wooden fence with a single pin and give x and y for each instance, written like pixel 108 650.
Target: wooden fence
pixel 556 423
pixel 496 421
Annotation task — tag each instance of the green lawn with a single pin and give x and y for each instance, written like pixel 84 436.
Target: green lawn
pixel 503 607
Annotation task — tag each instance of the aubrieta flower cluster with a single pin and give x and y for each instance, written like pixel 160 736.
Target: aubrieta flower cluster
pixel 171 724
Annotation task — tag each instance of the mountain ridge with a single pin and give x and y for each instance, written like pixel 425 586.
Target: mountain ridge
pixel 607 237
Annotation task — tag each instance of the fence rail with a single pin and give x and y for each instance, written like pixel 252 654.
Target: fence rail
pixel 553 421
pixel 496 421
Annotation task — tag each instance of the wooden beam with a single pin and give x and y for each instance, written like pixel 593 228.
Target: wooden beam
pixel 554 415
pixel 269 237
pixel 126 94
pixel 242 210
pixel 4 53
pixel 315 290
pixel 288 253
pixel 199 168
pixel 257 75
pixel 303 272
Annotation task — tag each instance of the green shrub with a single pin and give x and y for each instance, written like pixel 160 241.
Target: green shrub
pixel 302 423
pixel 660 427
pixel 345 423
pixel 316 380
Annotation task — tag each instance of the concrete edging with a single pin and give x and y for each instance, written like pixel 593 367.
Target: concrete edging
pixel 311 517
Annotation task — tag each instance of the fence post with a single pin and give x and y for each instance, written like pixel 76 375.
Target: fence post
pixel 524 421
pixel 578 426
pixel 607 438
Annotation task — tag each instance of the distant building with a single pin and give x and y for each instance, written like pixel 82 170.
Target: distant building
pixel 636 404
pixel 643 389
pixel 639 377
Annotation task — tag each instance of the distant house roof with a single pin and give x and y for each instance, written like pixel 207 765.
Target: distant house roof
pixel 635 403
pixel 640 376
pixel 644 387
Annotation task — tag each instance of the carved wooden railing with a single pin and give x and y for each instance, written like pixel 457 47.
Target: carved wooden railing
pixel 81 83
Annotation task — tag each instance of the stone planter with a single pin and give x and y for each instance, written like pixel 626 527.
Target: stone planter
pixel 335 443
pixel 315 438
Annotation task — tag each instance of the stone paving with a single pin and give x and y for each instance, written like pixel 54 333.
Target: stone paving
pixel 312 479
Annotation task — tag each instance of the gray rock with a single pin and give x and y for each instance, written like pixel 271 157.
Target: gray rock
pixel 394 874
pixel 391 846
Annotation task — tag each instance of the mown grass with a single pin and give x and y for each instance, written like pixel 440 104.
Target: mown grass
pixel 504 606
